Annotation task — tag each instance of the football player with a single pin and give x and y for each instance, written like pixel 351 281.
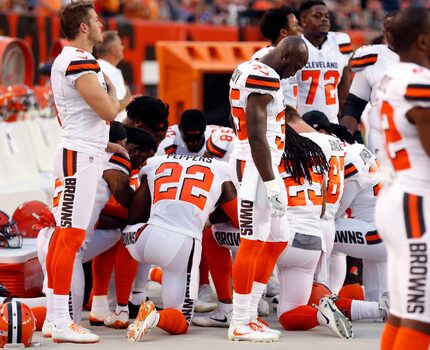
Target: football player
pixel 369 64
pixel 324 81
pixel 403 207
pixel 86 101
pixel 179 192
pixel 257 107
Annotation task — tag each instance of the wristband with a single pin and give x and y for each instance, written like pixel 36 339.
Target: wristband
pixel 272 188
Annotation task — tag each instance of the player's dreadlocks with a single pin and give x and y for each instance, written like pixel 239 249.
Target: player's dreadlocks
pixel 302 154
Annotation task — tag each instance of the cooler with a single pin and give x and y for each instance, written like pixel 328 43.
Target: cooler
pixel 20 271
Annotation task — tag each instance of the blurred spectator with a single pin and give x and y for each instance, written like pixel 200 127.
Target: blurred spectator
pixel 110 53
pixel 110 8
pixel 49 7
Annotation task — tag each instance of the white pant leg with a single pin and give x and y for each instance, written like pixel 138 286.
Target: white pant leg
pixel 101 241
pixel 296 268
pixel 42 245
pixel 403 220
pixel 77 290
pixel 179 259
pixel 141 279
pixel 337 271
pixel 360 239
pixel 322 274
pixel 79 172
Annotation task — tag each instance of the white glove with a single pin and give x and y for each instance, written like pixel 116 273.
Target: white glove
pixel 276 200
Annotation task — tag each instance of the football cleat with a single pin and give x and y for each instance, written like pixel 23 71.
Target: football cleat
pixel 144 321
pixel 96 319
pixel 47 328
pixel 266 327
pixel 118 321
pixel 329 315
pixel 74 334
pixel 251 332
pixel 214 319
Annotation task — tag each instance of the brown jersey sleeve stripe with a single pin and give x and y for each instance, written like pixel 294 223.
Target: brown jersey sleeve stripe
pixel 364 61
pixel 414 215
pixel 69 162
pixel 345 48
pixel 214 150
pixel 350 170
pixel 170 149
pixel 417 92
pixel 264 83
pixel 122 161
pixel 76 67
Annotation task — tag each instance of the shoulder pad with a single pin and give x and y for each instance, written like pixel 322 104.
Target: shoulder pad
pixel 344 42
pixel 364 57
pixel 122 161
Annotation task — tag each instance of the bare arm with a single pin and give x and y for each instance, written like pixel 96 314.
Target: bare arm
pixel 343 88
pixel 119 183
pixel 421 118
pixel 126 100
pixel 140 208
pixel 104 104
pixel 256 126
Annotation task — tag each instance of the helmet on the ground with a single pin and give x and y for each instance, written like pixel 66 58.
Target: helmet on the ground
pixel 17 324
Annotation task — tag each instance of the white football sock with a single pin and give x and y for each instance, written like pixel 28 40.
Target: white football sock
pixel 100 305
pixel 240 309
pixel 256 294
pixel 61 311
pixel 365 310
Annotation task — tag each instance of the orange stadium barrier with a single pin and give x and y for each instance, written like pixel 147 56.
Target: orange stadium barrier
pixel 196 75
pixel 16 62
pixel 139 37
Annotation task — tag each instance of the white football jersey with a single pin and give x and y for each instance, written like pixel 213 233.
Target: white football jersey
pixel 220 144
pixel 289 85
pixel 82 129
pixel 173 142
pixel 334 151
pixel 319 78
pixel 361 169
pixel 184 191
pixel 254 77
pixel 369 64
pixel 405 86
pixel 305 201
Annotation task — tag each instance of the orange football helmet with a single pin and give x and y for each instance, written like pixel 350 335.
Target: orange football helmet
pixel 10 237
pixel 319 290
pixel 27 215
pixel 17 324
